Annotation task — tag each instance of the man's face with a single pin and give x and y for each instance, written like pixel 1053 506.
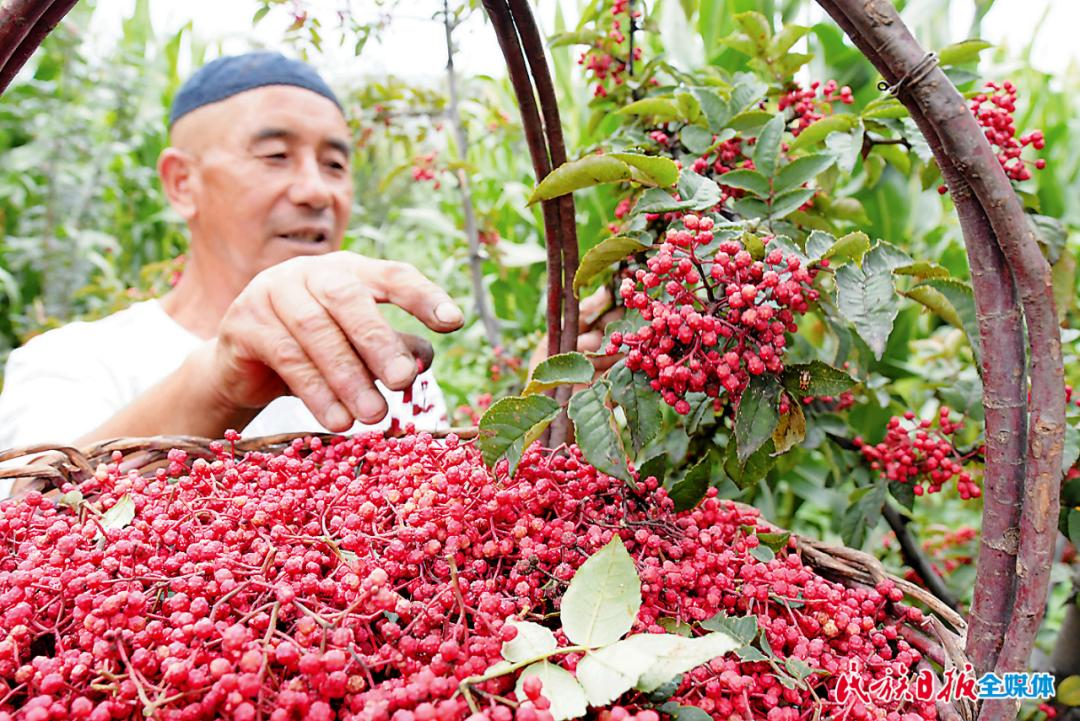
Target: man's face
pixel 270 176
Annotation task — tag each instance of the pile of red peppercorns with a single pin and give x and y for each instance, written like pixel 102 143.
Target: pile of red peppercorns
pixel 364 578
pixel 921 453
pixel 714 319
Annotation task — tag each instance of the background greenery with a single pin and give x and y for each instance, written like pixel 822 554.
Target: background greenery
pixel 84 229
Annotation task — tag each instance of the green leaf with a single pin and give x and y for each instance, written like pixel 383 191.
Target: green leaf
pixel 71 499
pixel 962 299
pixel 754 245
pixel 675 626
pixel 767 148
pixel 749 180
pixel 750 208
pixel 1068 691
pixel 678 712
pixel 603 598
pixel 932 299
pixel 904 493
pixel 749 121
pixel 818 131
pixel 689 491
pixel 597 435
pixel 756 416
pixel 713 106
pixel 696 139
pixel 787 203
pixel 697 192
pixel 121 514
pixel 756 467
pixel 775 541
pixel 863 514
pixel 867 297
pixel 847 147
pixel 532 640
pixel 852 246
pixel 743 629
pixel 600 257
pixel 260 14
pixel 582 173
pixel 748 91
pixel 685 654
pixel 1072 447
pixel 786 39
pixel 965 51
pixel 801 170
pixel 510 426
pixel 558 686
pixel 639 402
pixel 689 107
pixel 884 108
pixel 762 553
pixel 660 108
pixel 790 429
pixel 815 379
pixel 1051 234
pixel 750 654
pixel 756 26
pixel 656 467
pixel 609 672
pixel 661 171
pixel 561 369
pixel 923 270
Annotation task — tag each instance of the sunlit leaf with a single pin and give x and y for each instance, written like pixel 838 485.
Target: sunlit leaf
pixel 603 598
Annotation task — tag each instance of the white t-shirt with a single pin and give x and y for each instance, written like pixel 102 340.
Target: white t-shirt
pixel 64 383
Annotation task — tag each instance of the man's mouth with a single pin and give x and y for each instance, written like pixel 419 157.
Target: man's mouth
pixel 305 236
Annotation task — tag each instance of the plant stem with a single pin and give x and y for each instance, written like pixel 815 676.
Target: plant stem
pixel 23 25
pixel 491 324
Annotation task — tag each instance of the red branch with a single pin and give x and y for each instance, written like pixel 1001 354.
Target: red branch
pixel 897 52
pixel 23 26
pixel 1004 383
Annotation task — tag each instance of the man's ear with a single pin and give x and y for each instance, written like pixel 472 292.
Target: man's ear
pixel 176 170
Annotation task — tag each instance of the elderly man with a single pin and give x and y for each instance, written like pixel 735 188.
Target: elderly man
pixel 271 328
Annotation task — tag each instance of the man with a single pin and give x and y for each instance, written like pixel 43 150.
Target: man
pixel 267 307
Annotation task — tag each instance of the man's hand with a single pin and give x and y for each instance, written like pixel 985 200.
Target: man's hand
pixel 310 327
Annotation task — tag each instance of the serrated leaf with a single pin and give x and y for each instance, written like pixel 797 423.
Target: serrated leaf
pixel 713 107
pixel 922 270
pixel 750 654
pixel 689 491
pixel 818 131
pixel 904 493
pixel 790 429
pixel 532 640
pixel 815 379
pixel 679 712
pixel 120 514
pixel 756 26
pixel 561 369
pixel 600 257
pixel 847 147
pixel 603 599
pixel 597 435
pixel 801 170
pixel 867 297
pixel 743 629
pixel 962 299
pixel 965 51
pixel 1051 234
pixel 787 203
pixel 755 468
pixel 756 416
pixel 797 667
pixel 696 139
pixel 656 467
pixel 558 686
pixel 686 654
pixel 852 246
pixel 609 672
pixel 786 39
pixel 936 302
pixel 750 208
pixel 689 107
pixel 510 425
pixel 749 120
pixel 749 180
pixel 767 148
pixel 679 628
pixel 661 171
pixel 775 541
pixel 762 553
pixel 741 42
pixel 698 192
pixel 660 108
pixel 581 173
pixel 863 514
pixel 884 108
pixel 754 245
pixel 748 90
pixel 639 402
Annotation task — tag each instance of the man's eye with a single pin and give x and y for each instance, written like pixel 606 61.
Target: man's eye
pixel 275 156
pixel 335 165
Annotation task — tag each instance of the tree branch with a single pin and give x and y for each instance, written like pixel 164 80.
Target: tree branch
pixel 914 558
pixel 491 324
pixel 23 25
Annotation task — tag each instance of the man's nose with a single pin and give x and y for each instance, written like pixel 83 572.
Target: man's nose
pixel 310 186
